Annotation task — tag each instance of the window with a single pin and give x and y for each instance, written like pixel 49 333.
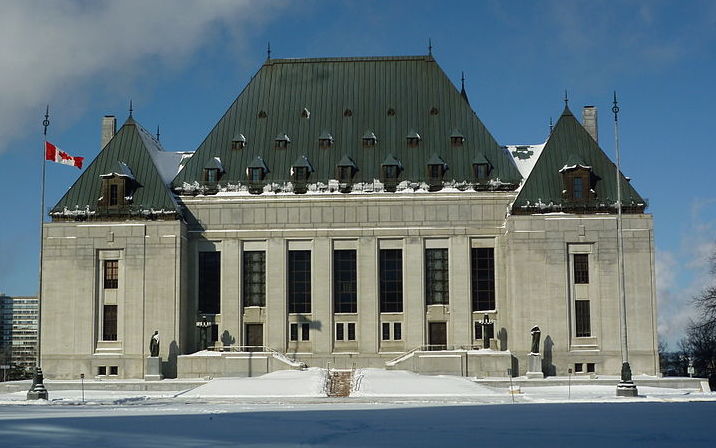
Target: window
pixel 369 139
pixel 113 194
pixel 578 367
pixel 577 188
pixel 482 262
pixel 581 269
pixel 490 329
pixel 351 331
pixel 109 323
pixel 293 332
pixel 345 174
pixel 256 174
pixel 300 173
pixel 305 332
pixel 299 281
pixel 102 370
pixel 111 274
pixel 435 171
pixel 457 140
pixel 385 331
pixel 577 184
pixel 339 332
pixel 211 175
pixel 391 280
pixel 481 170
pixel 325 141
pixel 397 331
pixel 345 293
pixel 581 310
pixel 114 370
pixel 590 367
pixel 254 291
pixel 209 282
pixel 282 141
pixel 238 142
pixel 436 277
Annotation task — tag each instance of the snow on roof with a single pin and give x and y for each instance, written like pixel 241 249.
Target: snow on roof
pixel 525 157
pixel 121 170
pixel 168 163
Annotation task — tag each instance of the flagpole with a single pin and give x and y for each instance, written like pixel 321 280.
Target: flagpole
pixel 38 390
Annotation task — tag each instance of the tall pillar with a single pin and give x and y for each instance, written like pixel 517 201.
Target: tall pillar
pixel 321 300
pixel 460 298
pixel 413 293
pixel 230 329
pixel 276 310
pixel 368 301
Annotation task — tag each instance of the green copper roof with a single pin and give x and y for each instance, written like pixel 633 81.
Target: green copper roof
pixel 569 146
pixel 131 153
pixel 348 98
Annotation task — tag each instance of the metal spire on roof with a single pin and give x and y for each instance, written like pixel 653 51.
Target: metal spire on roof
pixel 566 99
pixel 130 108
pixel 462 80
pixel 430 47
pixel 462 89
pixel 268 51
pixel 157 132
pixel 550 126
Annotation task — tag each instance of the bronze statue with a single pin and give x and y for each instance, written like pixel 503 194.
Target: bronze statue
pixel 535 332
pixel 154 345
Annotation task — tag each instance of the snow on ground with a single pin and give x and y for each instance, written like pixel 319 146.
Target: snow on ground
pixel 282 383
pixel 390 408
pixel 401 383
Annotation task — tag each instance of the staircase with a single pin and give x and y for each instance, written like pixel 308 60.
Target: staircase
pixel 339 383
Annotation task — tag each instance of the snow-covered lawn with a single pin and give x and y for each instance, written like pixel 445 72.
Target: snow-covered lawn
pixel 390 408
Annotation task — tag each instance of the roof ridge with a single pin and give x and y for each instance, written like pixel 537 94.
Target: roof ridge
pixel 349 59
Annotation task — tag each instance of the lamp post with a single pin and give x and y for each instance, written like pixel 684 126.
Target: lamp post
pixel 203 325
pixel 486 322
pixel 626 387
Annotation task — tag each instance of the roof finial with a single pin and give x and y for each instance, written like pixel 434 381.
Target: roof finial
pixel 615 108
pixel 46 121
pixel 462 80
pixel 566 99
pixel 130 108
pixel 550 126
pixel 430 47
pixel 157 132
pixel 268 51
pixel 462 89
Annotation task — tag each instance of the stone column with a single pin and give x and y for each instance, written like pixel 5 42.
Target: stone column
pixel 368 301
pixel 230 300
pixel 321 295
pixel 413 293
pixel 460 294
pixel 276 310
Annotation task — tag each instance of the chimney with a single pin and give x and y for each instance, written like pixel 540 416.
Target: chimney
pixel 109 128
pixel 589 118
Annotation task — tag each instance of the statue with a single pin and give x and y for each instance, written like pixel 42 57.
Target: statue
pixel 154 345
pixel 626 373
pixel 535 332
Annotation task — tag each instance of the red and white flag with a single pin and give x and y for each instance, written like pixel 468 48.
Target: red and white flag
pixel 55 154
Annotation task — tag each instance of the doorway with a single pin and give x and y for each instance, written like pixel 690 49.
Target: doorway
pixel 254 337
pixel 437 335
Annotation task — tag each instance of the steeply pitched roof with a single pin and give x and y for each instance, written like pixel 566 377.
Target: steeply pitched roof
pixel 570 144
pixel 348 97
pixel 136 152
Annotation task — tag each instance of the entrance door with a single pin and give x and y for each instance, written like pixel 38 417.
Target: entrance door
pixel 254 337
pixel 437 335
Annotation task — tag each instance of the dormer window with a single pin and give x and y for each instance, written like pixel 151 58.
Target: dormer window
pixel 436 168
pixel 344 174
pixel 369 139
pixel 213 169
pixel 238 142
pixel 255 173
pixel 117 187
pixel 481 168
pixel 300 172
pixel 325 140
pixel 576 177
pixel 413 139
pixel 456 138
pixel 345 170
pixel 390 171
pixel 282 141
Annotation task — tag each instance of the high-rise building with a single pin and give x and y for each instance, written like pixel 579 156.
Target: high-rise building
pixel 18 331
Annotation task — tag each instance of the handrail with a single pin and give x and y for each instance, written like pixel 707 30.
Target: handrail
pixel 430 348
pixel 258 349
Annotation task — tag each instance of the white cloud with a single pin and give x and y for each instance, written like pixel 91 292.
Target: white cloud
pixel 53 50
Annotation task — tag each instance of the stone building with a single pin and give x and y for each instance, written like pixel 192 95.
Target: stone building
pixel 353 211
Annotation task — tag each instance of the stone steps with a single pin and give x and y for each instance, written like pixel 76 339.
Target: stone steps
pixel 340 383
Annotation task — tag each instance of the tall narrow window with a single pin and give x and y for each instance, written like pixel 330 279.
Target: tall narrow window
pixel 578 188
pixel 436 277
pixel 397 331
pixel 352 331
pixel 391 280
pixel 209 282
pixel 109 323
pixel 581 268
pixel 113 194
pixel 385 333
pixel 345 293
pixel 299 281
pixel 293 332
pixel 254 287
pixel 339 331
pixel 483 278
pixel 111 274
pixel 583 326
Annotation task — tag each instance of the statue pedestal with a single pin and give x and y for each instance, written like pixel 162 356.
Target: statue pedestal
pixel 627 389
pixel 534 366
pixel 153 369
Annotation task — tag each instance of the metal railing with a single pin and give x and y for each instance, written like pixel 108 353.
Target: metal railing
pixel 258 349
pixel 431 348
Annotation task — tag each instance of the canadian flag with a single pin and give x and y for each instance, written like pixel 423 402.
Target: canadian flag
pixel 55 154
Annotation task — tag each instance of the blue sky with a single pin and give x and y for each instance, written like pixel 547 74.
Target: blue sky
pixel 183 62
